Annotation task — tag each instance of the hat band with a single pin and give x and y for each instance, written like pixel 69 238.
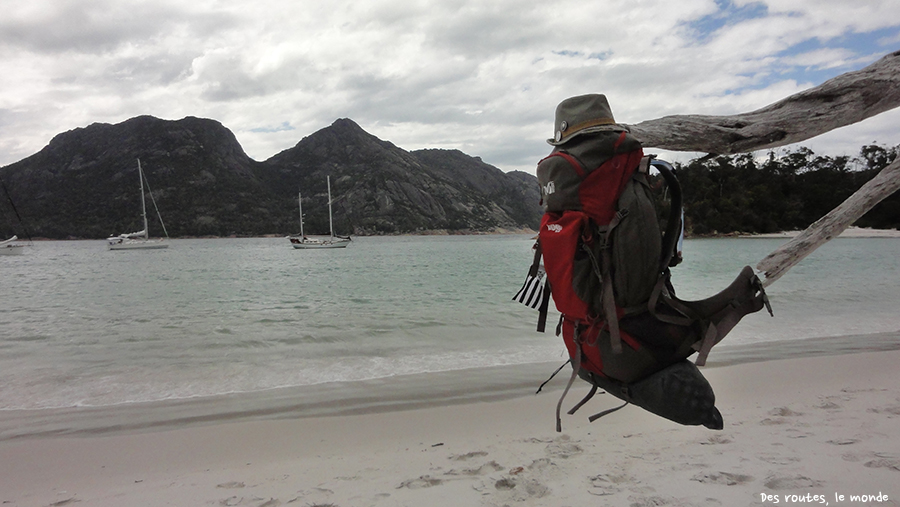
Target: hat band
pixel 573 129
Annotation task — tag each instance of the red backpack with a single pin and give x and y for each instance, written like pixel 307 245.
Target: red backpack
pixel 607 267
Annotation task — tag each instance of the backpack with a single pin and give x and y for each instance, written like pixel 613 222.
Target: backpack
pixel 607 259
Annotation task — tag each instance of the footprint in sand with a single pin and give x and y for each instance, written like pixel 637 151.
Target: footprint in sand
pixel 867 390
pixel 891 410
pixel 892 464
pixel 468 455
pixel 779 460
pixel 779 416
pixel 563 448
pixel 829 405
pixel 519 484
pixel 873 460
pixel 520 490
pixel 852 457
pixel 425 481
pixel 535 440
pixel 784 412
pixel 716 439
pixel 884 460
pixel 657 501
pixel 610 484
pixel 843 441
pixel 724 478
pixel 231 485
pixel 505 483
pixel 239 500
pixel 539 464
pixel 487 468
pixel 781 482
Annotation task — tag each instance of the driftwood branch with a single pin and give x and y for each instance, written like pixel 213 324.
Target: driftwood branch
pixel 841 101
pixel 831 225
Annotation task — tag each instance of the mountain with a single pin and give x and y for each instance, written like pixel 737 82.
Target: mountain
pixel 84 184
pixel 380 188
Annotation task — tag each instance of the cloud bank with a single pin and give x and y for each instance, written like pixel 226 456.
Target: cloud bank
pixel 482 77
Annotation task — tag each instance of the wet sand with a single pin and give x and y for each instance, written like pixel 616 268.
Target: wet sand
pixel 814 426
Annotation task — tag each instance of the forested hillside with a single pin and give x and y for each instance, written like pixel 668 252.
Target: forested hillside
pixel 786 191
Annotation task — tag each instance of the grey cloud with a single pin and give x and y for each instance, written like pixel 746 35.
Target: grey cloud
pixel 226 78
pixel 6 117
pixel 124 76
pixel 159 69
pixel 101 26
pixel 493 28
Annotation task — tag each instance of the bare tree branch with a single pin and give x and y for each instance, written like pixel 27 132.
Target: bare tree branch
pixel 841 101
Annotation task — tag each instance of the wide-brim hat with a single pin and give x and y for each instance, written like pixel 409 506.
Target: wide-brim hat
pixel 583 114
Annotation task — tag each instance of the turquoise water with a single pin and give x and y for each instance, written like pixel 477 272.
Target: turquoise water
pixel 82 326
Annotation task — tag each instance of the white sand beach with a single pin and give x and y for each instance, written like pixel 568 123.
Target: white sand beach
pixel 805 430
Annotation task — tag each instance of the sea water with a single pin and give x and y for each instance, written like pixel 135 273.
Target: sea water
pixel 81 326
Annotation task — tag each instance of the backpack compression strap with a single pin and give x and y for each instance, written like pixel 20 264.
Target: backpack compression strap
pixel 545 297
pixel 576 367
pixel 607 296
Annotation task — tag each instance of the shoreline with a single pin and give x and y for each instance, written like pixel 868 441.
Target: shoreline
pixel 816 426
pixel 380 395
pixel 850 232
pixel 428 232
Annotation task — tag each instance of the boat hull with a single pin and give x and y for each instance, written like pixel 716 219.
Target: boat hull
pixel 12 250
pixel 314 244
pixel 138 245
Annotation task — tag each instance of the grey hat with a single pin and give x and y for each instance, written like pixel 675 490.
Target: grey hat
pixel 583 115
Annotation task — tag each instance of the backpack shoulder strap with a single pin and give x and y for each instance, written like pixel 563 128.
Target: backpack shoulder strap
pixel 669 244
pixel 673 225
pixel 571 159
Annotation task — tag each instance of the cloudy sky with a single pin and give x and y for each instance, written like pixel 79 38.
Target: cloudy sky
pixel 476 75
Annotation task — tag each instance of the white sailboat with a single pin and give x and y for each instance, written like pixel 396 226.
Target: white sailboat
pixel 10 247
pixel 304 242
pixel 139 240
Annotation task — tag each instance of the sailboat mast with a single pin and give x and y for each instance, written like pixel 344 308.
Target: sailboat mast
pixel 330 220
pixel 143 203
pixel 300 205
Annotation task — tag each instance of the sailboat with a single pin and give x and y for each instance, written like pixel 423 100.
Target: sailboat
pixel 139 240
pixel 332 241
pixel 10 247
